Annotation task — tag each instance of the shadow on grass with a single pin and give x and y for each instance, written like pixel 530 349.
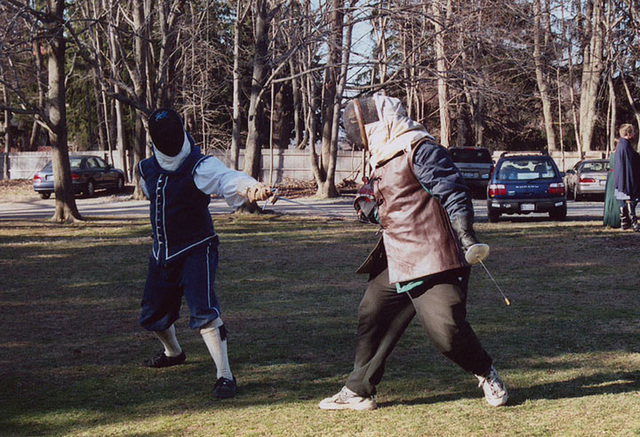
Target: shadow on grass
pixel 70 355
pixel 600 384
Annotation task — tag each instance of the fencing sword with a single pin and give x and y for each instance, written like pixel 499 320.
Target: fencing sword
pixel 475 254
pixel 275 197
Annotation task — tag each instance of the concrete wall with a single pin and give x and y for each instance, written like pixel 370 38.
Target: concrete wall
pixel 286 164
pixel 295 164
pixel 23 165
pixel 291 164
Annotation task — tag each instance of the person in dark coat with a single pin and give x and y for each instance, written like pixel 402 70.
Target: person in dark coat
pixel 611 215
pixel 420 266
pixel 626 173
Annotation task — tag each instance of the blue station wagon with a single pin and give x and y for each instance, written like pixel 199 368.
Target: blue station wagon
pixel 526 182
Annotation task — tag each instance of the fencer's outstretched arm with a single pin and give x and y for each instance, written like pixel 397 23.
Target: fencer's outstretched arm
pixel 211 176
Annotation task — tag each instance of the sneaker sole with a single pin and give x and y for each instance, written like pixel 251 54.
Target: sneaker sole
pixel 498 402
pixel 360 406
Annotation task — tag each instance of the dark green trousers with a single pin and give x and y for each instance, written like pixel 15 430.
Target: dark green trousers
pixel 384 314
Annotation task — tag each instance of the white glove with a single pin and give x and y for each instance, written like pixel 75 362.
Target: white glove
pixel 257 192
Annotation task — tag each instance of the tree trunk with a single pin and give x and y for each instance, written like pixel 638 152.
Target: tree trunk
pixel 7 133
pixel 298 119
pixel 612 113
pixel 330 105
pixel 543 87
pixel 253 151
pixel 441 18
pixel 591 70
pixel 141 22
pixel 330 189
pixel 168 12
pixel 66 210
pixel 38 49
pixel 236 127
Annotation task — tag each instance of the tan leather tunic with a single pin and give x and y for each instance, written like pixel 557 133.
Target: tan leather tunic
pixel 417 235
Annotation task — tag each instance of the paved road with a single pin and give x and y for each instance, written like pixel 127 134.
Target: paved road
pixel 123 206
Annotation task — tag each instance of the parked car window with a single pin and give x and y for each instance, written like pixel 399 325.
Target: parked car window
pixel 594 166
pixel 475 165
pixel 100 162
pixel 76 163
pixel 92 163
pixel 523 170
pixel 471 154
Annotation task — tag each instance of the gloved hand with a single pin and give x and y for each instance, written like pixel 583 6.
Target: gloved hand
pixel 257 192
pixel 365 204
pixel 474 251
pixel 463 226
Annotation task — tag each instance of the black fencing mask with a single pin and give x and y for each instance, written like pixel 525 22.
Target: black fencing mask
pixel 167 133
pixel 357 114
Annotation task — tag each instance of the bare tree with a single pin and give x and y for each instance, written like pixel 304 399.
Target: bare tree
pixel 324 164
pixel 253 152
pixel 51 24
pixel 592 67
pixel 242 11
pixel 541 77
pixel 8 115
pixel 442 11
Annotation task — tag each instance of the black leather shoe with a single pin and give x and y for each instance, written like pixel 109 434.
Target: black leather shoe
pixel 161 360
pixel 225 388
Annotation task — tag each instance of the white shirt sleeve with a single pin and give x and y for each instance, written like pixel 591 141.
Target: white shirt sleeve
pixel 211 176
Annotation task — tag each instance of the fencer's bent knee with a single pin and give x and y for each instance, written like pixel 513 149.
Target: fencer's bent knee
pixel 212 326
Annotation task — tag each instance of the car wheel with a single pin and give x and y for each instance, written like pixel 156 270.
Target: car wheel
pixel 494 216
pixel 120 184
pixel 90 191
pixel 45 195
pixel 558 214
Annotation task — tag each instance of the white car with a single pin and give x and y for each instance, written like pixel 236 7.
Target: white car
pixel 587 177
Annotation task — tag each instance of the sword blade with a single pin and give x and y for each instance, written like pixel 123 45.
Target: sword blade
pixel 305 205
pixel 506 300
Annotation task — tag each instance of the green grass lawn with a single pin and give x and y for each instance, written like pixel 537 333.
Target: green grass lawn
pixel 71 347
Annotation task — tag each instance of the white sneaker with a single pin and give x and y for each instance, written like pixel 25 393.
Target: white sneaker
pixel 347 399
pixel 494 391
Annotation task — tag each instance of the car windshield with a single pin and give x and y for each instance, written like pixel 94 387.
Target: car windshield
pixel 594 166
pixel 526 170
pixel 471 155
pixel 75 162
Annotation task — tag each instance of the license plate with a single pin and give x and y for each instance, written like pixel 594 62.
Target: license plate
pixel 527 207
pixel 469 175
pixel 603 182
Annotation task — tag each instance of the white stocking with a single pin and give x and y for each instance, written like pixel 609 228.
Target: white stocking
pixel 217 348
pixel 169 341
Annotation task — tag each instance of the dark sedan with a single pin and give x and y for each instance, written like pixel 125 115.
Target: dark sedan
pixel 88 174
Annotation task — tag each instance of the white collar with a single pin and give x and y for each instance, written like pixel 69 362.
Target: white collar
pixel 171 163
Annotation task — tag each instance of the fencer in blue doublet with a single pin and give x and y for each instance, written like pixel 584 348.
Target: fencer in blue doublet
pixel 179 212
pixel 179 180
